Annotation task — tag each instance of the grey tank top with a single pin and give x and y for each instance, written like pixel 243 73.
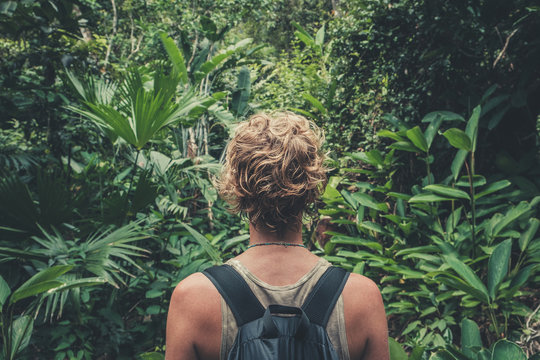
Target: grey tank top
pixel 291 295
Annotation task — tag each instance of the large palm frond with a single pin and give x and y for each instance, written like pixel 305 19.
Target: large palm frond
pixel 139 109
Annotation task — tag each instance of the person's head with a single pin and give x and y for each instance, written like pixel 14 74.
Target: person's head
pixel 273 169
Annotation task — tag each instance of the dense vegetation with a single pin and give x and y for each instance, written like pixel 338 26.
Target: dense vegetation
pixel 115 115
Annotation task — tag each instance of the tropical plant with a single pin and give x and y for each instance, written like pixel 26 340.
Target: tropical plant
pixel 16 332
pixel 442 248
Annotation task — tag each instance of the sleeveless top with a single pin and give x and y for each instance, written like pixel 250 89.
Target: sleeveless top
pixel 290 295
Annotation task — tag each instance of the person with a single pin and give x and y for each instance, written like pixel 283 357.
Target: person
pixel 273 171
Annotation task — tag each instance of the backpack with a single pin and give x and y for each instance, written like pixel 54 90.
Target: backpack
pixel 279 331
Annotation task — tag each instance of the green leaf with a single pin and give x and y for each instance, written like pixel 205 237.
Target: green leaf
pixel 213 253
pixel 396 350
pixel 300 28
pixel 457 163
pixel 458 139
pixel 432 129
pixel 447 191
pixel 427 198
pixel 390 134
pixel 41 282
pixel 444 115
pixel 478 180
pixel 315 103
pixel 507 350
pixel 494 187
pixel 522 276
pixel 175 55
pixel 21 332
pixel 319 37
pixel 4 292
pixel 240 96
pixel 78 283
pixel 417 138
pixel 405 146
pixel 368 201
pixel 527 236
pixel 466 273
pixel 498 266
pixel 472 126
pixel 510 216
pixel 471 341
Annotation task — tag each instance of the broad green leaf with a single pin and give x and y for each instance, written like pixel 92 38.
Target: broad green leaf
pixel 308 40
pixel 300 29
pixel 432 129
pixel 315 103
pixel 471 341
pixel 447 191
pixel 527 236
pixel 21 329
pixel 175 55
pixel 466 273
pixel 457 163
pixel 349 240
pixel 460 284
pixel 444 115
pixel 368 201
pixel 390 134
pixel 417 138
pixel 458 139
pixel 405 146
pixel 34 289
pixel 417 353
pixel 41 282
pixel 491 188
pixel 4 292
pixel 498 266
pixel 522 276
pixel 478 180
pixel 472 126
pixel 213 253
pixel 319 37
pixel 510 216
pixel 396 350
pixel 507 350
pixel 427 198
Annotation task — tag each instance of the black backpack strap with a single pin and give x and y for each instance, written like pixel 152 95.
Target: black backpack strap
pixel 233 288
pixel 322 299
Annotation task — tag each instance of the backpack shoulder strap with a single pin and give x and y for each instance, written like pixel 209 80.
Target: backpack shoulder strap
pixel 321 301
pixel 235 291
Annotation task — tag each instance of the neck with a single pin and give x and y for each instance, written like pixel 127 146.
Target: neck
pixel 260 236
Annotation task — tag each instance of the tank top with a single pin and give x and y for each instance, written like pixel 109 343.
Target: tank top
pixel 290 295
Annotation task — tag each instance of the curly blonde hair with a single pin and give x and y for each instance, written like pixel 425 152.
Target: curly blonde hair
pixel 273 169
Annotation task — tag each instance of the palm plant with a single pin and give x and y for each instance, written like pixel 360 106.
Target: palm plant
pixel 103 254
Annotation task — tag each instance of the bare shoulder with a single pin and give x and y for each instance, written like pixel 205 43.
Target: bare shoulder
pixel 194 314
pixel 365 319
pixel 361 290
pixel 192 289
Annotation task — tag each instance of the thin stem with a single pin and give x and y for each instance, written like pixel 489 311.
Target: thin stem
pixel 494 321
pixel 131 180
pixel 470 174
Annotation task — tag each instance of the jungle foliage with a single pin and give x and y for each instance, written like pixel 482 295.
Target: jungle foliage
pixel 114 119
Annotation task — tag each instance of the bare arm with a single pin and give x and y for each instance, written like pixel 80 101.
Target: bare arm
pixel 365 320
pixel 194 321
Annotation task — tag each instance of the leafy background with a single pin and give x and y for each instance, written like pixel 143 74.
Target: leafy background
pixel 114 119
